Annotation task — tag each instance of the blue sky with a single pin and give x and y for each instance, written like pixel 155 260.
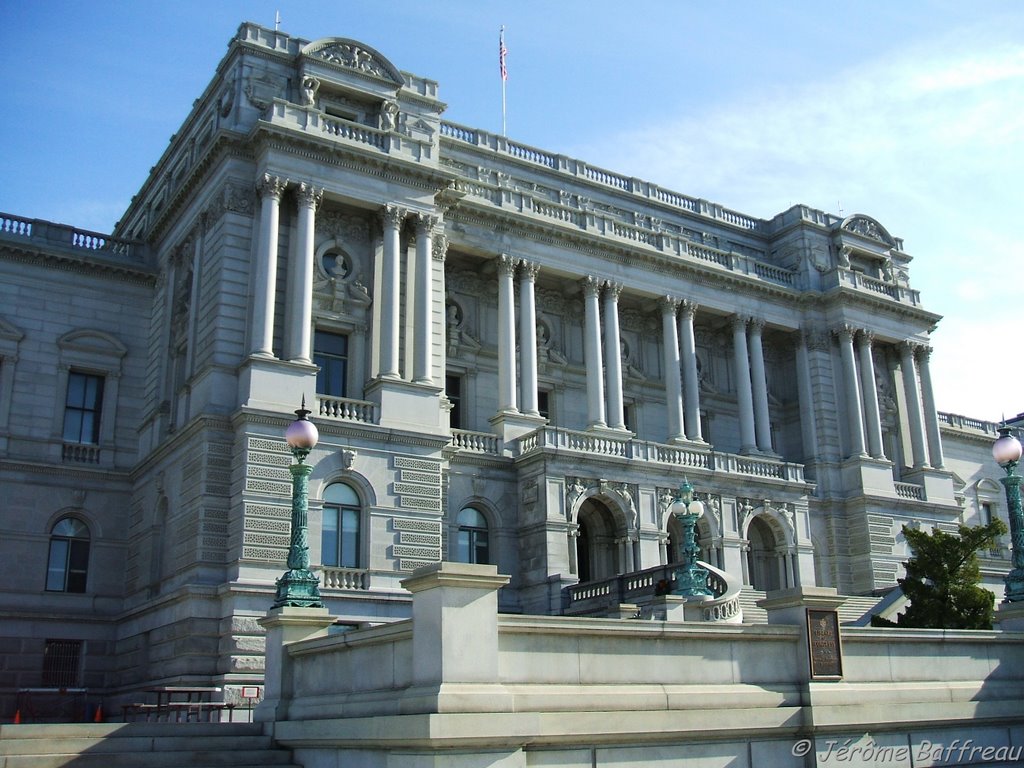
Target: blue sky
pixel 911 112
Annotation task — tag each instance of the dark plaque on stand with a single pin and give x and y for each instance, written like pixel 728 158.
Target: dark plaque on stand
pixel 824 647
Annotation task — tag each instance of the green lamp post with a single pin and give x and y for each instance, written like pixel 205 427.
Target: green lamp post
pixel 1006 450
pixel 298 587
pixel 691 579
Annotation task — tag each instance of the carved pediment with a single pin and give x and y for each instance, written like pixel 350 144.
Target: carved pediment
pixel 867 227
pixel 351 54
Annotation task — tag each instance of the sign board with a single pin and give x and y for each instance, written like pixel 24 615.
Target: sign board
pixel 823 645
pixel 250 691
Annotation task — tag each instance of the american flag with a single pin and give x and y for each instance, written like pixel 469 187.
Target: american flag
pixel 502 52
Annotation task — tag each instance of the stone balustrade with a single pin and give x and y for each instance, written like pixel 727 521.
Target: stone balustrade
pixel 49 235
pixel 344 578
pixel 347 409
pixel 567 441
pixel 603 597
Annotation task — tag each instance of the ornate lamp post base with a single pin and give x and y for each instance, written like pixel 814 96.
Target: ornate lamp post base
pixel 691 580
pixel 298 588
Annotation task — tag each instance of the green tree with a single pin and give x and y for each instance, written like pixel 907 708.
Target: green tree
pixel 942 579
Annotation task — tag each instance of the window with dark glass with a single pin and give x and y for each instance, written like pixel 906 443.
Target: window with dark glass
pixel 340 534
pixel 473 543
pixel 543 403
pixel 68 564
pixel 453 390
pixel 330 354
pixel 82 408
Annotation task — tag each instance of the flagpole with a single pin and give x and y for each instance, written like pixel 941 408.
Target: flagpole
pixel 504 74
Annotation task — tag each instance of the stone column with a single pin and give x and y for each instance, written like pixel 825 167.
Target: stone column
pixel 907 350
pixel 506 336
pixel 691 378
pixel 762 420
pixel 613 356
pixel 673 383
pixel 592 357
pixel 423 356
pixel 270 189
pixel 439 246
pixel 852 389
pixel 804 389
pixel 869 388
pixel 392 218
pixel 528 337
pixel 744 395
pixel 300 293
pixel 931 416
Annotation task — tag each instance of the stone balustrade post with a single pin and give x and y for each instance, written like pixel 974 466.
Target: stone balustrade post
pixel 455 623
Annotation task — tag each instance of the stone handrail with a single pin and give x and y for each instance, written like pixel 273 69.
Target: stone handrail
pixel 604 595
pixel 581 170
pixel 909 491
pixel 81 453
pixel 567 440
pixel 334 577
pixel 347 409
pixel 476 442
pixel 50 234
pixel 957 421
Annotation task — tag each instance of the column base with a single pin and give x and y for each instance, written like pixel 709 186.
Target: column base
pixel 511 425
pixel 276 385
pixel 405 405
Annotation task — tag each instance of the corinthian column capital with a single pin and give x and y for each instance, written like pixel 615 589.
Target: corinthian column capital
pixel 669 305
pixel 308 195
pixel 591 285
pixel 392 216
pixel 506 265
pixel 271 186
pixel 528 269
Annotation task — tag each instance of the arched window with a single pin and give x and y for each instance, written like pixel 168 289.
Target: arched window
pixel 473 544
pixel 69 556
pixel 340 534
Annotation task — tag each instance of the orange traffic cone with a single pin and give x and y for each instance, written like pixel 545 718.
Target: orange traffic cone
pixel 17 717
pixel 98 717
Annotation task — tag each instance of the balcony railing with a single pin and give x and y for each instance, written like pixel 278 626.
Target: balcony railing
pixel 909 491
pixel 347 409
pixel 49 235
pixel 586 443
pixel 344 578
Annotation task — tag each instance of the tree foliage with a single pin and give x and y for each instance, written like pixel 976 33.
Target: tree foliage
pixel 942 579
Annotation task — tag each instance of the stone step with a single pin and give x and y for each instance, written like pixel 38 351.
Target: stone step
pixel 748 601
pixel 130 745
pixel 178 758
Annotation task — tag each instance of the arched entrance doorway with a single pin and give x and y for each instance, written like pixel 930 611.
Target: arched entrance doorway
pixel 764 562
pixel 597 554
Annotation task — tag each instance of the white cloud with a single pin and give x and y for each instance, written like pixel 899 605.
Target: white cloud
pixel 927 140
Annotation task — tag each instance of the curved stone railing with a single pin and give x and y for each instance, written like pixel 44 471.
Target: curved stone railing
pixel 724 606
pixel 640 587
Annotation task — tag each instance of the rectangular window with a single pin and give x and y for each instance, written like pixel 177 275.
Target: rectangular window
pixel 62 660
pixel 340 537
pixel 330 353
pixel 82 408
pixel 544 404
pixel 627 416
pixel 453 390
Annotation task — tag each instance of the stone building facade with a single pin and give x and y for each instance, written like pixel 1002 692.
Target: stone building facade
pixel 512 356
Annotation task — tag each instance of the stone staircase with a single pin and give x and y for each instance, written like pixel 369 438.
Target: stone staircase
pixel 140 745
pixel 748 602
pixel 853 609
